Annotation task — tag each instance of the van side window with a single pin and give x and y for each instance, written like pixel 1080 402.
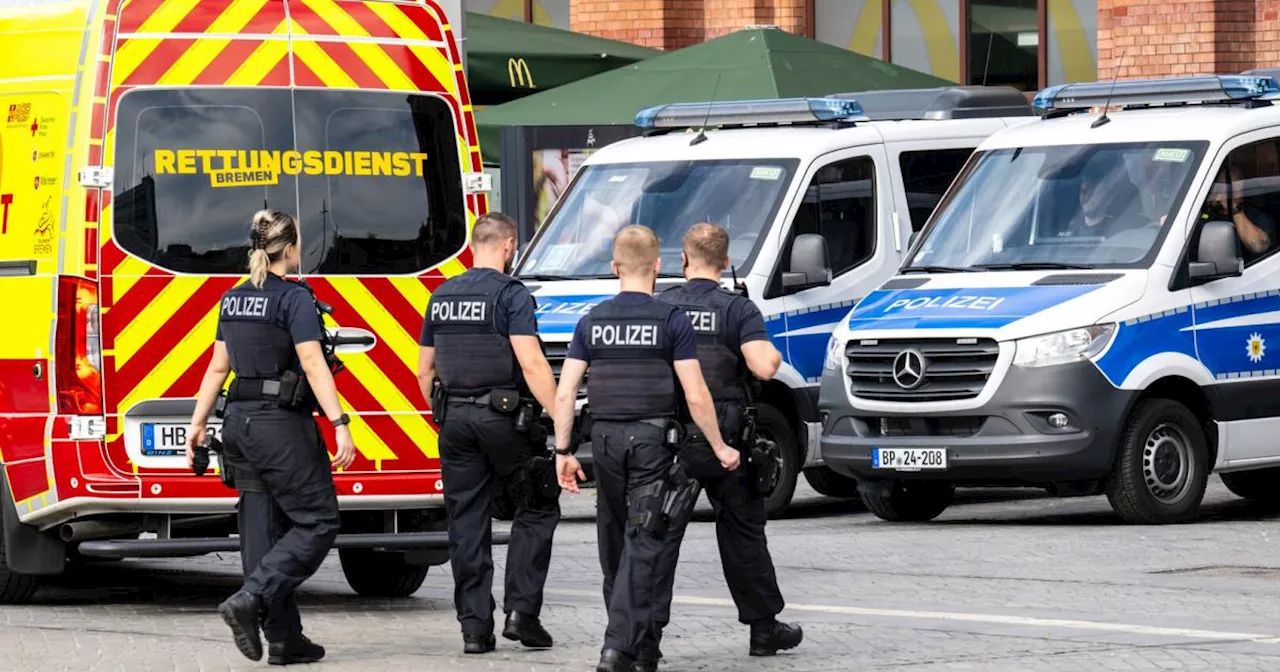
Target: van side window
pixel 840 204
pixel 926 175
pixel 1246 192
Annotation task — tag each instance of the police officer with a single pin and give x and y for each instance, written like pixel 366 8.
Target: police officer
pixel 269 333
pixel 480 348
pixel 732 346
pixel 637 348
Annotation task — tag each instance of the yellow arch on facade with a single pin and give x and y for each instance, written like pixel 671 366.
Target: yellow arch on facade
pixel 1078 64
pixel 508 9
pixel 944 52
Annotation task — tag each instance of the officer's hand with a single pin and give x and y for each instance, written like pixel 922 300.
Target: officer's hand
pixel 569 472
pixel 195 436
pixel 729 457
pixel 346 448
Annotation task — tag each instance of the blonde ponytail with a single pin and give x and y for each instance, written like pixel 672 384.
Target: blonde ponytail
pixel 258 263
pixel 270 233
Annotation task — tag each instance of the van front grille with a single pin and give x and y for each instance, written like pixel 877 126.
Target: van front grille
pixel 915 370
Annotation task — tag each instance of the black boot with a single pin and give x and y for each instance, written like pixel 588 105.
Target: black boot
pixel 242 612
pixel 294 652
pixel 613 660
pixel 645 665
pixel 478 643
pixel 527 630
pixel 770 637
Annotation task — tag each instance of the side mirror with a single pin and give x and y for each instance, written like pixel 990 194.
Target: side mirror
pixel 1218 255
pixel 809 265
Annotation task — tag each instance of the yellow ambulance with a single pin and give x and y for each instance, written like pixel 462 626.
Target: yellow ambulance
pixel 138 137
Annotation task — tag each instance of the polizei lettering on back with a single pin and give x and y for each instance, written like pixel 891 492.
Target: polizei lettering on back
pixel 245 306
pixel 458 311
pixel 633 335
pixel 964 302
pixel 704 321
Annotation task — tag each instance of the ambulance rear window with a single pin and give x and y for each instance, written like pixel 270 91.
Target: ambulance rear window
pixel 374 178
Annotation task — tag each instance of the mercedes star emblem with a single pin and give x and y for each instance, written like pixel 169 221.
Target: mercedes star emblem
pixel 908 369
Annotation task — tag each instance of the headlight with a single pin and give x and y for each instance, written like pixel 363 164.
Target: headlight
pixel 1064 347
pixel 832 362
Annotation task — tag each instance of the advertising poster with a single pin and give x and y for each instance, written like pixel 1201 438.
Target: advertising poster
pixel 552 171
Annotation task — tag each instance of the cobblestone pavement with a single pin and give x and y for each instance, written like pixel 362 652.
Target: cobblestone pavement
pixel 1004 580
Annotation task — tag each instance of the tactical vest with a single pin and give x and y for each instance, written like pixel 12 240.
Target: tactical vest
pixel 630 358
pixel 254 328
pixel 472 356
pixel 722 365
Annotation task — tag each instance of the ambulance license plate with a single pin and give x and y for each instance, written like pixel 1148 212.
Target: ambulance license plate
pixel 163 440
pixel 908 459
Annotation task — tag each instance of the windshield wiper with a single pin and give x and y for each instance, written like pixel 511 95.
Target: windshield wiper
pixel 541 277
pixel 1035 266
pixel 935 269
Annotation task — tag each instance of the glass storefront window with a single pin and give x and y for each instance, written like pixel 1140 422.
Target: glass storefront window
pixel 1004 43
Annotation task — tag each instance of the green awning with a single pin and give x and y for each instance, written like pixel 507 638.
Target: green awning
pixel 755 63
pixel 510 59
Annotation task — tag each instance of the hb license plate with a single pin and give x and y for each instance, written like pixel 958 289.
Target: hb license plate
pixel 160 440
pixel 909 459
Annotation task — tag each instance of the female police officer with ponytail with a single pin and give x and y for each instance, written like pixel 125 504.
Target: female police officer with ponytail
pixel 269 334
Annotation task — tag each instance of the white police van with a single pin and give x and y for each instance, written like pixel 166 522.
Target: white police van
pixel 782 176
pixel 1094 307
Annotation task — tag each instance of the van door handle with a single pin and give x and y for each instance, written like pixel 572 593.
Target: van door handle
pixel 351 340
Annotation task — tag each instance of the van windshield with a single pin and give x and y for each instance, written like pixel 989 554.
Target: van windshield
pixel 1066 206
pixel 669 197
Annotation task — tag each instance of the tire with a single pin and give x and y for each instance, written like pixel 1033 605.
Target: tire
pixel 827 482
pixel 15 588
pixel 911 501
pixel 380 573
pixel 1161 467
pixel 1258 485
pixel 772 424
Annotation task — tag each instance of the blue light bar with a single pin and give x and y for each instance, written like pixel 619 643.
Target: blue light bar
pixel 1143 92
pixel 775 111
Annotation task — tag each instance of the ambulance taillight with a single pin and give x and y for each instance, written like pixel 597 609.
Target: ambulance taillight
pixel 79 342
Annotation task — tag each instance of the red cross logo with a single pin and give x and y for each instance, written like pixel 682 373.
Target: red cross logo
pixel 35 126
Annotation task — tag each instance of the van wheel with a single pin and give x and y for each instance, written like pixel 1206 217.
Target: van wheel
pixel 772 424
pixel 15 588
pixel 374 573
pixel 1161 468
pixel 1258 485
pixel 827 482
pixel 911 501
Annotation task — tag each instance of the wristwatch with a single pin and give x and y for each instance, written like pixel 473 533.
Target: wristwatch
pixel 565 451
pixel 341 420
pixel 1237 208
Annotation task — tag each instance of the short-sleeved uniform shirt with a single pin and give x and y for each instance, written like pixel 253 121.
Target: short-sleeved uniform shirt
pixel 513 317
pixel 679 331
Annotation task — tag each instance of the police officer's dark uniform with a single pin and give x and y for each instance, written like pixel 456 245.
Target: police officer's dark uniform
pixel 723 321
pixel 469 322
pixel 630 343
pixel 288 509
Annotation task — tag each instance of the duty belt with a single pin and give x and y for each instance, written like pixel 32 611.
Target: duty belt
pixel 253 389
pixel 480 400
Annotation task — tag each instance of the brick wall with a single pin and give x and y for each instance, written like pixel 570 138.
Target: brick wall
pixel 672 24
pixel 1160 38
